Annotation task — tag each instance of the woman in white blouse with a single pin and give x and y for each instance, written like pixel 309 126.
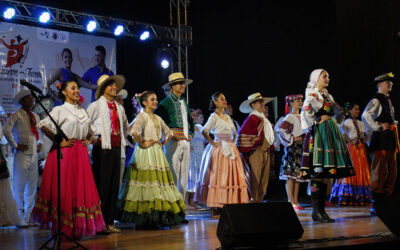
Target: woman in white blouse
pixel 291 136
pixel 222 178
pixel 355 190
pixel 80 206
pixel 151 198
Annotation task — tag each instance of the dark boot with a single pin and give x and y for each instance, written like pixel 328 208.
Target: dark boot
pixel 322 199
pixel 317 214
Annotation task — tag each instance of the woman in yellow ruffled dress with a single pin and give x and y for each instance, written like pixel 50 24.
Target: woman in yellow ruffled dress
pixel 149 196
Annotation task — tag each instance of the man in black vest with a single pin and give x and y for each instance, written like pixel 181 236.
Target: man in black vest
pixel 378 118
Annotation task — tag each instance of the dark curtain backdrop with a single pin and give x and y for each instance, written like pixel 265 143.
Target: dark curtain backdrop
pixel 241 47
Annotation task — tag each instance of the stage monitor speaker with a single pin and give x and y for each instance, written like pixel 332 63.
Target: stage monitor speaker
pixel 258 224
pixel 389 213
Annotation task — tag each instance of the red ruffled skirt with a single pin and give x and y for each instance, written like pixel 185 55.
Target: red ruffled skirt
pixel 80 202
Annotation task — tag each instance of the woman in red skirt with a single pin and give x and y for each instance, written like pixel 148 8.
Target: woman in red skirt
pixel 80 203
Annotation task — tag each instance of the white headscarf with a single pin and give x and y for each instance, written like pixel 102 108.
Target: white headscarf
pixel 313 80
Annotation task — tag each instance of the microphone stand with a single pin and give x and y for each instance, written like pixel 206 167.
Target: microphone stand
pixel 57 236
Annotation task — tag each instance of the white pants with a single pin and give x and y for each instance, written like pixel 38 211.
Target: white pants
pixel 26 176
pixel 178 156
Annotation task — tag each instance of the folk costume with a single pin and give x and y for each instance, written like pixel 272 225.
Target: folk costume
pixel 80 204
pixel 354 190
pixel 150 196
pixel 109 125
pixel 325 154
pixel 255 137
pixel 383 144
pixel 21 129
pixel 175 112
pixel 222 179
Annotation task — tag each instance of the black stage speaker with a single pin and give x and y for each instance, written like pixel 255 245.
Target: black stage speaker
pixel 389 213
pixel 258 224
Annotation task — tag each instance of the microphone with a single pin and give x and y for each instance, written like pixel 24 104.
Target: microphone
pixel 30 86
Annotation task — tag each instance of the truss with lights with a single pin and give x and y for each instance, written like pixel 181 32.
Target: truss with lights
pixel 107 25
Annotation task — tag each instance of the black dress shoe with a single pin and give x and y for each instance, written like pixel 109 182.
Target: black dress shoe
pixel 318 216
pixel 327 218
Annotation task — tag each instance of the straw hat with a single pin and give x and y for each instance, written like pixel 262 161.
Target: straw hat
pixel 176 78
pixel 245 107
pixel 119 81
pixel 123 93
pixel 20 95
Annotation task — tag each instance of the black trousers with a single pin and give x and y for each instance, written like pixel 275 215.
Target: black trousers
pixel 106 171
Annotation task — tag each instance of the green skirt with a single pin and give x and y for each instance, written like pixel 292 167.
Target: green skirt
pixel 148 195
pixel 325 154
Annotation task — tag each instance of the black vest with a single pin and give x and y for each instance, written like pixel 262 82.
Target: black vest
pixel 383 140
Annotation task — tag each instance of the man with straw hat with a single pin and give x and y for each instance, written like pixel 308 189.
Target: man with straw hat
pixel 23 136
pixel 110 126
pixel 174 110
pixel 378 118
pixel 255 137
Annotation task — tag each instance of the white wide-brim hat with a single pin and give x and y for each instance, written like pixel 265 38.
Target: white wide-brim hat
pixel 20 95
pixel 119 81
pixel 245 106
pixel 123 93
pixel 176 78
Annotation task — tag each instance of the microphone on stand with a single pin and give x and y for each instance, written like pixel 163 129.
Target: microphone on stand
pixel 30 86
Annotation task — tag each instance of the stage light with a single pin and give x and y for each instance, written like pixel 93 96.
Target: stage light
pixel 9 13
pixel 164 64
pixel 145 35
pixel 44 17
pixel 118 30
pixel 91 26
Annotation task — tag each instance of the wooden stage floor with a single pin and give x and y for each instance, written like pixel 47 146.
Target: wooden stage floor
pixel 200 233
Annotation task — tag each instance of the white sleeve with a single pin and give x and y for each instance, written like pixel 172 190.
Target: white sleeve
pixel 139 124
pixel 8 128
pixel 311 105
pixel 286 131
pixel 369 115
pixel 48 123
pixel 212 120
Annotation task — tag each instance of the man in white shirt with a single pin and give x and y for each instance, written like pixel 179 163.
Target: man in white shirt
pixel 110 130
pixel 23 136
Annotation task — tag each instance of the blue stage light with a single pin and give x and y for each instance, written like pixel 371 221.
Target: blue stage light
pixel 44 17
pixel 145 35
pixel 118 30
pixel 164 63
pixel 9 13
pixel 91 26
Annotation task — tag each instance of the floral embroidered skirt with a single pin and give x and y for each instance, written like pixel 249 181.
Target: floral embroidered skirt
pixel 148 195
pixel 325 153
pixel 80 202
pixel 291 162
pixel 354 190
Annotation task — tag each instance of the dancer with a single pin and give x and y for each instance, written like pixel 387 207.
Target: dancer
pixel 80 205
pixel 66 74
pixel 23 136
pixel 255 137
pixel 325 154
pixel 355 190
pixel 378 118
pixel 108 120
pixel 291 136
pixel 197 145
pixel 151 198
pixel 222 179
pixel 93 74
pixel 8 207
pixel 174 111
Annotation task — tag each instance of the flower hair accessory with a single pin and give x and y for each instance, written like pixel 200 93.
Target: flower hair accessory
pixel 59 85
pixel 139 95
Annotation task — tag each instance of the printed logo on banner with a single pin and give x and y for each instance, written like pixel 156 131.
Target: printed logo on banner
pixel 52 35
pixel 17 50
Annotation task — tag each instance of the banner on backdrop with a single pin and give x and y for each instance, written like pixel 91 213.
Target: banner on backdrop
pixel 34 54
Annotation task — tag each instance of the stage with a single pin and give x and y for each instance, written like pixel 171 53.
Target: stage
pixel 354 228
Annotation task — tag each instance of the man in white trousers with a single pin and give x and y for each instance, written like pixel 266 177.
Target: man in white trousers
pixel 174 111
pixel 23 136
